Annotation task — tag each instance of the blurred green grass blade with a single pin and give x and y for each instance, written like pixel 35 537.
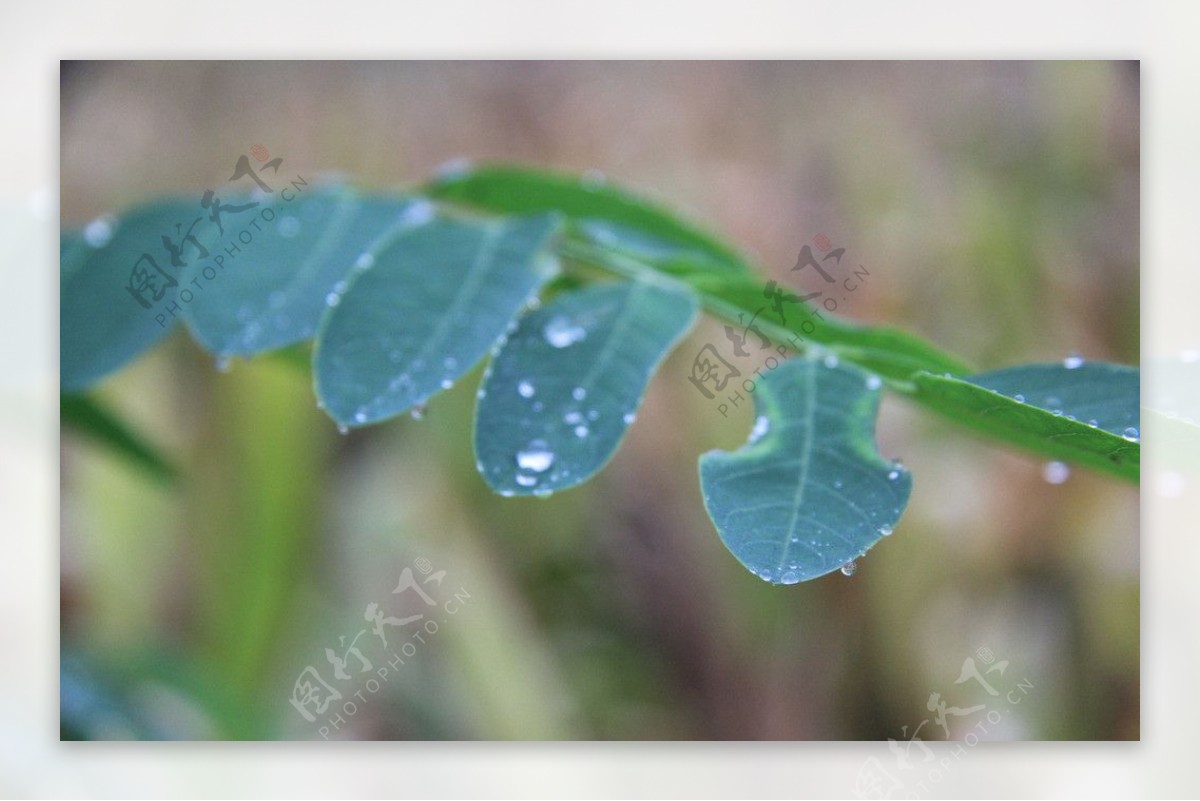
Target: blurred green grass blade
pixel 439 296
pixel 809 492
pixel 560 394
pixel 1032 406
pixel 601 209
pixel 88 417
pixel 272 292
pixel 102 325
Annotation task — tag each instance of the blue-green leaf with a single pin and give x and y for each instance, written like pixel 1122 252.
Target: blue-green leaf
pixel 562 391
pixel 437 297
pixel 102 324
pixel 1084 412
pixel 273 293
pixel 808 493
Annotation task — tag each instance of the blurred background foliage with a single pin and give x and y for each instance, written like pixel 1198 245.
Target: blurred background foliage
pixel 996 206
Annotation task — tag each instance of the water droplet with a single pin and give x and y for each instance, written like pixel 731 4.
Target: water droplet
pixel 1093 423
pixel 224 363
pixel 874 382
pixel 450 363
pixel 543 493
pixel 837 485
pixel 790 577
pixel 481 393
pixel 849 568
pixel 885 531
pixel 507 493
pixel 561 332
pixel 417 213
pixel 99 231
pixel 831 361
pixel 593 415
pixel 1132 434
pixel 360 417
pixel 525 389
pixel 453 169
pixel 892 476
pixel 447 383
pixel 332 299
pixel 581 431
pixel 536 457
pixel 1019 398
pixel 365 261
pixel 571 418
pixel 538 406
pixel 579 393
pixel 320 403
pixel 761 426
pixel 417 412
pixel 288 227
pixel 629 418
pixel 592 180
pixel 1055 472
pixel 343 429
pixel 1073 362
pixel 526 481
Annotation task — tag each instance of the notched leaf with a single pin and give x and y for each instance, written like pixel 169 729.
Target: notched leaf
pixel 809 493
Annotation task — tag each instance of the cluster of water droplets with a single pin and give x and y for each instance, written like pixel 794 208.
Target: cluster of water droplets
pixel 334 297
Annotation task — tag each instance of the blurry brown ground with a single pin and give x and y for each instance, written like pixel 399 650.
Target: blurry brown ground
pixel 996 207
